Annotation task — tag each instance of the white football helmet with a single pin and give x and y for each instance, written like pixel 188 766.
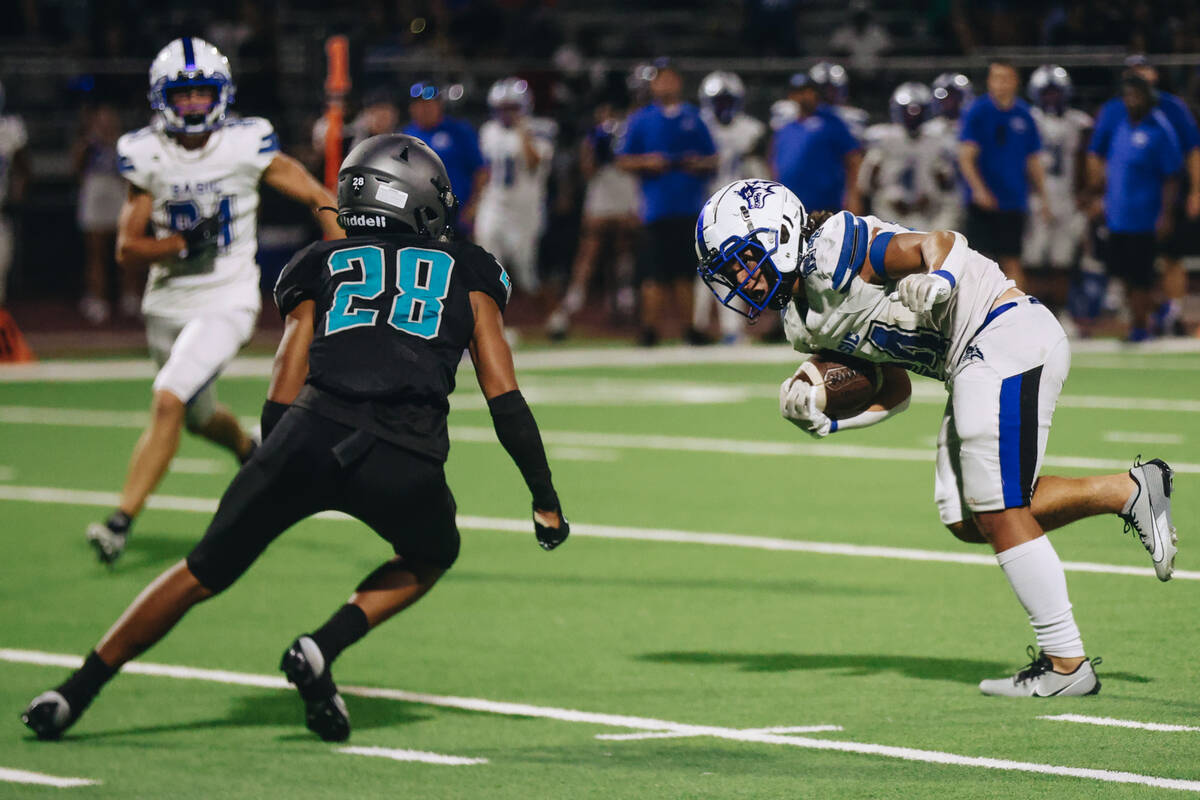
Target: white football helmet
pixel 722 93
pixel 184 63
pixel 509 92
pixel 746 228
pixel 1050 88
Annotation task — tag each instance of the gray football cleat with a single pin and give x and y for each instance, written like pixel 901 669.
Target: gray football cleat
pixel 325 712
pixel 1038 679
pixel 48 715
pixel 1149 513
pixel 108 544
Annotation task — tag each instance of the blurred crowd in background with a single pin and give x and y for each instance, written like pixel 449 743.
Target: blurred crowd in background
pixel 581 154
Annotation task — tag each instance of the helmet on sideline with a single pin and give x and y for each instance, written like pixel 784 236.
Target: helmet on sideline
pixel 831 81
pixel 190 63
pixel 722 94
pixel 910 105
pixel 1050 88
pixel 510 92
pixel 952 93
pixel 394 183
pixel 755 221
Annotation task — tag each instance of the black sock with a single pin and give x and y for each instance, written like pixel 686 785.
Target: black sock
pixel 119 522
pixel 86 682
pixel 344 628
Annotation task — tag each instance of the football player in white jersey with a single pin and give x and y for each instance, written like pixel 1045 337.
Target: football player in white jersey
pixel 14 178
pixel 512 209
pixel 898 171
pixel 191 217
pixel 952 93
pixel 1055 240
pixel 927 303
pixel 833 84
pixel 741 148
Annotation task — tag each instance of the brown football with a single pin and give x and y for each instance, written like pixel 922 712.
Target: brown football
pixel 845 385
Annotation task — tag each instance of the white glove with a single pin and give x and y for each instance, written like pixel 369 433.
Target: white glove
pixel 798 405
pixel 921 292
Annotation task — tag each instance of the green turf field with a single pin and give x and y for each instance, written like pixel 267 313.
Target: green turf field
pixel 727 666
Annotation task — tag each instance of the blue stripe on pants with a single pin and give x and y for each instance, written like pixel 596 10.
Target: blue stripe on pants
pixel 1010 441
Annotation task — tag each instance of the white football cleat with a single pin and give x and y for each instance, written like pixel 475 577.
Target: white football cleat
pixel 1150 514
pixel 1038 679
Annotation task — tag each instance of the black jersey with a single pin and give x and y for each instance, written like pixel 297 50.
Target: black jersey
pixel 393 316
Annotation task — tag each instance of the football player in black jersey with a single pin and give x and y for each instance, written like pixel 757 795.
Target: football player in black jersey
pixel 355 421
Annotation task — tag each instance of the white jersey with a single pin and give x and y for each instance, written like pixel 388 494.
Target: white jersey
pixel 220 178
pixel 846 314
pixel 899 172
pixel 946 208
pixel 738 144
pixel 1062 140
pixel 514 190
pixel 856 119
pixel 12 138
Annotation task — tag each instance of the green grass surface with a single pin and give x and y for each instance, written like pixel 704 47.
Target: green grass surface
pixel 734 637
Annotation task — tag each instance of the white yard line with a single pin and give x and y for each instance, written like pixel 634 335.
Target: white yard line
pixel 1133 437
pixel 411 755
pixel 485 706
pixel 1119 356
pixel 58 496
pixel 636 737
pixel 199 466
pixel 608 441
pixel 8 775
pixel 1120 723
pixel 582 454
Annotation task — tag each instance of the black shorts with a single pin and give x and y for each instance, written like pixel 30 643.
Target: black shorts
pixel 668 250
pixel 1130 257
pixel 1185 235
pixel 311 464
pixel 996 234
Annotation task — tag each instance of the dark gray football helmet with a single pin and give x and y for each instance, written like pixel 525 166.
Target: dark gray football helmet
pixel 392 179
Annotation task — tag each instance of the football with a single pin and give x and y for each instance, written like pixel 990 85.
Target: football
pixel 845 385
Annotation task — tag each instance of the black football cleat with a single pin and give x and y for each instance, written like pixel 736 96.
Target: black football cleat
pixel 49 715
pixel 325 712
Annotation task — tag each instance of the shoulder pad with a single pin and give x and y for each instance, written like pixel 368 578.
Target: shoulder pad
pixel 838 250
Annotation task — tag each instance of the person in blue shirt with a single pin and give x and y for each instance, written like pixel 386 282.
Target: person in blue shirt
pixel 998 158
pixel 668 147
pixel 455 142
pixel 816 155
pixel 1182 237
pixel 1135 161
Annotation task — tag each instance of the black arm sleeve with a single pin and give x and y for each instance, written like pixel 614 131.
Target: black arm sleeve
pixel 518 432
pixel 293 285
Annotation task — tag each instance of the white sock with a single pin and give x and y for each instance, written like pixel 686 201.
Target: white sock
pixel 1037 577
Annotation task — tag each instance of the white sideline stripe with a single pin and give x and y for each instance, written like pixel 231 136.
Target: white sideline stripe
pixel 634 737
pixel 197 466
pixel 482 705
pixel 581 454
pixel 1133 437
pixel 9 775
pixel 410 755
pixel 204 505
pixel 607 441
pixel 1119 723
pixel 66 370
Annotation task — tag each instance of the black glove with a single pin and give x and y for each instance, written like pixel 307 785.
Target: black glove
pixel 203 236
pixel 550 538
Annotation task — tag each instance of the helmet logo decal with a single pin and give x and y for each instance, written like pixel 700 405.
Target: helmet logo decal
pixel 755 193
pixel 393 197
pixel 357 183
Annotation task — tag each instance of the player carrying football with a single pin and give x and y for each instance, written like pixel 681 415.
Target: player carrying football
pixel 355 420
pixel 191 217
pixel 927 303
